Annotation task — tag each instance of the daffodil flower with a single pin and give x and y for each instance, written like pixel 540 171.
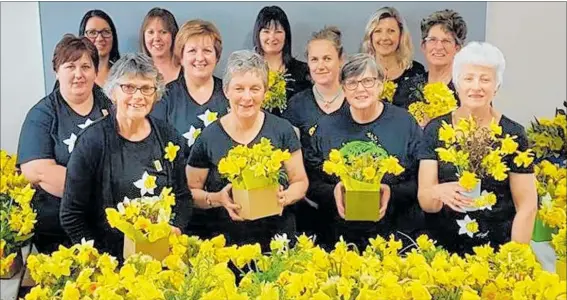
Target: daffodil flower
pixel 171 151
pixel 467 226
pixel 192 135
pixel 208 117
pixel 146 184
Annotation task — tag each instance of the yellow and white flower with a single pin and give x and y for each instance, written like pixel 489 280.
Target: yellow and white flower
pixel 146 184
pixel 192 135
pixel 468 226
pixel 208 117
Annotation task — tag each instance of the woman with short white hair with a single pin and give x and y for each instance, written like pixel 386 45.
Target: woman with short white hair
pixel 478 72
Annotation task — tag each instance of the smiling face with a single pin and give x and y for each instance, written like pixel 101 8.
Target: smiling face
pixel 386 37
pixel 99 32
pixel 199 57
pixel 439 47
pixel 362 91
pixel 477 86
pixel 76 78
pixel 324 62
pixel 157 38
pixel 245 93
pixel 272 38
pixel 136 105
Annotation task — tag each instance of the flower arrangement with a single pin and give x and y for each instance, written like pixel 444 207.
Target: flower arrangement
pixel 477 152
pixel 275 96
pixel 388 91
pixel 434 99
pixel 17 217
pixel 145 218
pixel 551 182
pixel 547 137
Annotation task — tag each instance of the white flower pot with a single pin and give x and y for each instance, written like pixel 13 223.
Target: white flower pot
pixel 475 193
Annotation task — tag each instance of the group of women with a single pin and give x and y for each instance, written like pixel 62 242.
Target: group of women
pixel 100 135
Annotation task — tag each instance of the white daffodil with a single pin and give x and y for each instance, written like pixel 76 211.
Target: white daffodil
pixel 146 184
pixel 192 135
pixel 121 208
pixel 70 142
pixel 208 117
pixel 84 242
pixel 468 226
pixel 126 200
pixel 88 122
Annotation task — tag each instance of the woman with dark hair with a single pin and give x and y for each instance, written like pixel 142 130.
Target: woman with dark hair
pixel 272 40
pixel 98 27
pixel 50 130
pixel 157 36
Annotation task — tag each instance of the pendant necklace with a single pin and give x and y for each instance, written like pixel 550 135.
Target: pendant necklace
pixel 319 97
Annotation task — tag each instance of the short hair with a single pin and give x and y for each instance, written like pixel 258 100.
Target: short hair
pixel 482 54
pixel 72 48
pixel 273 15
pixel 114 53
pixel 244 61
pixel 404 53
pixel 134 65
pixel 169 22
pixel 195 28
pixel 451 22
pixel 357 64
pixel 331 34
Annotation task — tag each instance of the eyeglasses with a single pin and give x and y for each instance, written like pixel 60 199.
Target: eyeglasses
pixel 431 40
pixel 367 82
pixel 131 89
pixel 93 33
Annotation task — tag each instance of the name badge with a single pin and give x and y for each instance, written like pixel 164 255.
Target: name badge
pixel 158 166
pixel 104 112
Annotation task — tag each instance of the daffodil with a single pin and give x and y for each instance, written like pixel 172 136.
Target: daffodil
pixel 468 180
pixel 146 184
pixel 208 117
pixel 171 151
pixel 467 226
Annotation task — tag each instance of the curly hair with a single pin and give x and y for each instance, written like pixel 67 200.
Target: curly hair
pixel 451 22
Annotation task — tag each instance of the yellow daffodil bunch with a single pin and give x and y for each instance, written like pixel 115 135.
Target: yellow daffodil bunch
pixel 547 136
pixel 479 151
pixel 436 99
pixel 559 243
pixel 261 161
pixel 361 161
pixel 17 217
pixel 551 181
pixel 388 91
pixel 145 218
pixel 275 96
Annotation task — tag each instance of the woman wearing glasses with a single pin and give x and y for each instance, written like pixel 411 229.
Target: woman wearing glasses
pixel 99 28
pixel 367 119
pixel 122 155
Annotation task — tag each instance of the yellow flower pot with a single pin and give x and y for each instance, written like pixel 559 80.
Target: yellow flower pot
pixel 257 203
pixel 158 249
pixel 362 200
pixel 561 269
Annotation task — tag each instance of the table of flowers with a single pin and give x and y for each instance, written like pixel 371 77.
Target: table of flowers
pixel 162 265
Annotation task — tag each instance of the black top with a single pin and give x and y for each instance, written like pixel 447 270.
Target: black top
pixel 100 172
pixel 179 109
pixel 398 133
pixel 407 90
pixel 399 96
pixel 303 112
pixel 214 144
pixel 495 225
pixel 49 131
pixel 297 80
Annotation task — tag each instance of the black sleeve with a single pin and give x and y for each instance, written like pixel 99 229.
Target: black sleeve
pixel 428 142
pixel 321 185
pixel 198 157
pixel 35 137
pixel 418 68
pixel 290 141
pixel 183 197
pixel 523 145
pixel 80 186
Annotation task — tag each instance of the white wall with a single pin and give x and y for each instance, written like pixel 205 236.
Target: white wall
pixel 532 36
pixel 21 67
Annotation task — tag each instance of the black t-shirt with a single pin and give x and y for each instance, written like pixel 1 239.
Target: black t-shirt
pixel 180 110
pixel 399 134
pixel 49 131
pixel 495 225
pixel 214 144
pixel 303 112
pixel 407 90
pixel 399 96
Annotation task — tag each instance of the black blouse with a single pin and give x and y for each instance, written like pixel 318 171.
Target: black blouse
pixel 104 169
pixel 399 96
pixel 399 134
pixel 214 144
pixel 495 225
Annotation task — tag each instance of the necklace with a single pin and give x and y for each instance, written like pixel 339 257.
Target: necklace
pixel 319 97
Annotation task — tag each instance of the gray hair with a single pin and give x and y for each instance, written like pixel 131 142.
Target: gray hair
pixel 357 64
pixel 133 65
pixel 481 54
pixel 244 61
pixel 451 22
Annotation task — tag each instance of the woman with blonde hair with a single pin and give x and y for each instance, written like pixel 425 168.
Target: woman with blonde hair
pixel 388 39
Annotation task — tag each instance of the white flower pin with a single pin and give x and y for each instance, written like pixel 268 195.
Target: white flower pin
pixel 146 184
pixel 70 142
pixel 208 117
pixel 192 135
pixel 468 226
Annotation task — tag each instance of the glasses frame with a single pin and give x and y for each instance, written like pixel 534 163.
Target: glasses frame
pixel 374 80
pixel 124 86
pixel 98 32
pixel 431 40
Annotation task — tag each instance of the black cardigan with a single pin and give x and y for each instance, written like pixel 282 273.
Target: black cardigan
pixel 88 185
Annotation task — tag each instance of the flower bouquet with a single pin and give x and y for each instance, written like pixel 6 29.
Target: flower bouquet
pixel 275 96
pixel 17 218
pixel 361 166
pixel 547 138
pixel 255 173
pixel 145 223
pixel 388 91
pixel 434 100
pixel 477 152
pixel 551 188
